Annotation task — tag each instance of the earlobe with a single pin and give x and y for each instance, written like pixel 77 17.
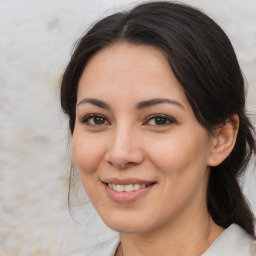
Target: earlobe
pixel 224 140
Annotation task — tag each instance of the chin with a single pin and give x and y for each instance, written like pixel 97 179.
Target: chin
pixel 125 228
pixel 128 225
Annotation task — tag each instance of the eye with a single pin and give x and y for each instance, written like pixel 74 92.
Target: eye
pixel 95 120
pixel 159 120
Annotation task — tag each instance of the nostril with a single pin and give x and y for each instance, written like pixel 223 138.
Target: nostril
pixel 122 159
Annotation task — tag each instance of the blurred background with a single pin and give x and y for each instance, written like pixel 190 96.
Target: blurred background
pixel 36 40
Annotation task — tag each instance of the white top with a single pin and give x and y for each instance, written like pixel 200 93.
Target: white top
pixel 233 241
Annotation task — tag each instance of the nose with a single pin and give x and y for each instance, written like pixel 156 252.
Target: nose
pixel 124 149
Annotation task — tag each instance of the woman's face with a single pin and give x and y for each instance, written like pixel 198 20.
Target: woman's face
pixel 141 153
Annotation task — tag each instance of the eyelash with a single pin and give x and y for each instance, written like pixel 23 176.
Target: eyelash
pixel 86 119
pixel 168 119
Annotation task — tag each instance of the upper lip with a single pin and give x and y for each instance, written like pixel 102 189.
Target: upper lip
pixel 127 181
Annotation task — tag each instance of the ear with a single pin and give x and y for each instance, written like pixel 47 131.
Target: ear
pixel 223 140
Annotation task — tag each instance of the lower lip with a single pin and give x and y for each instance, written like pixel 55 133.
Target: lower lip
pixel 127 197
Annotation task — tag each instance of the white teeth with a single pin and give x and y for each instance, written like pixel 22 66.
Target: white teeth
pixel 126 188
pixel 136 186
pixel 120 188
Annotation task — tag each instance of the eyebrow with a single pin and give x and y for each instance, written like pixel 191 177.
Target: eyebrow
pixel 139 106
pixel 95 102
pixel 152 102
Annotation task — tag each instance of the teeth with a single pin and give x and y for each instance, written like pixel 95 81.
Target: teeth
pixel 136 186
pixel 120 188
pixel 126 188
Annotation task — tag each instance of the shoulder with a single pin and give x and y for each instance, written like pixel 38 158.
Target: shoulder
pixel 234 241
pixel 107 248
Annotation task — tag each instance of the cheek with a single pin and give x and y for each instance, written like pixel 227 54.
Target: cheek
pixel 87 151
pixel 88 154
pixel 181 156
pixel 184 173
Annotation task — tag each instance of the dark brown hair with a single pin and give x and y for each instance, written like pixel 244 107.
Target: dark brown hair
pixel 204 62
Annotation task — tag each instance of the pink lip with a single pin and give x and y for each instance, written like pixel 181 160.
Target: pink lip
pixel 127 197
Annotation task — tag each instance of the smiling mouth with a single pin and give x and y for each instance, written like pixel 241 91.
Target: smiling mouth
pixel 128 187
pixel 127 191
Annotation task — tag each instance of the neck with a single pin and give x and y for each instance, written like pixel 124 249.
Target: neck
pixel 181 238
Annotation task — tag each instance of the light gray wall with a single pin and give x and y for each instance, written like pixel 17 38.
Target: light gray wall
pixel 35 44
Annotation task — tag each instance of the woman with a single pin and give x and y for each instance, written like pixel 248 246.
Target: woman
pixel 156 106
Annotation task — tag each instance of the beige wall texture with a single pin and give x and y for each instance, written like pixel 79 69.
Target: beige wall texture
pixel 35 44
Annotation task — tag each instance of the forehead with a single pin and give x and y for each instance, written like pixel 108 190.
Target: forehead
pixel 122 58
pixel 127 69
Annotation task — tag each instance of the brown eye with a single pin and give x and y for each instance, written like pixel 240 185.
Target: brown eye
pixel 95 120
pixel 160 120
pixel 98 120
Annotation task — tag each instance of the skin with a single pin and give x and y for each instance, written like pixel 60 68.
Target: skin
pixel 174 151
